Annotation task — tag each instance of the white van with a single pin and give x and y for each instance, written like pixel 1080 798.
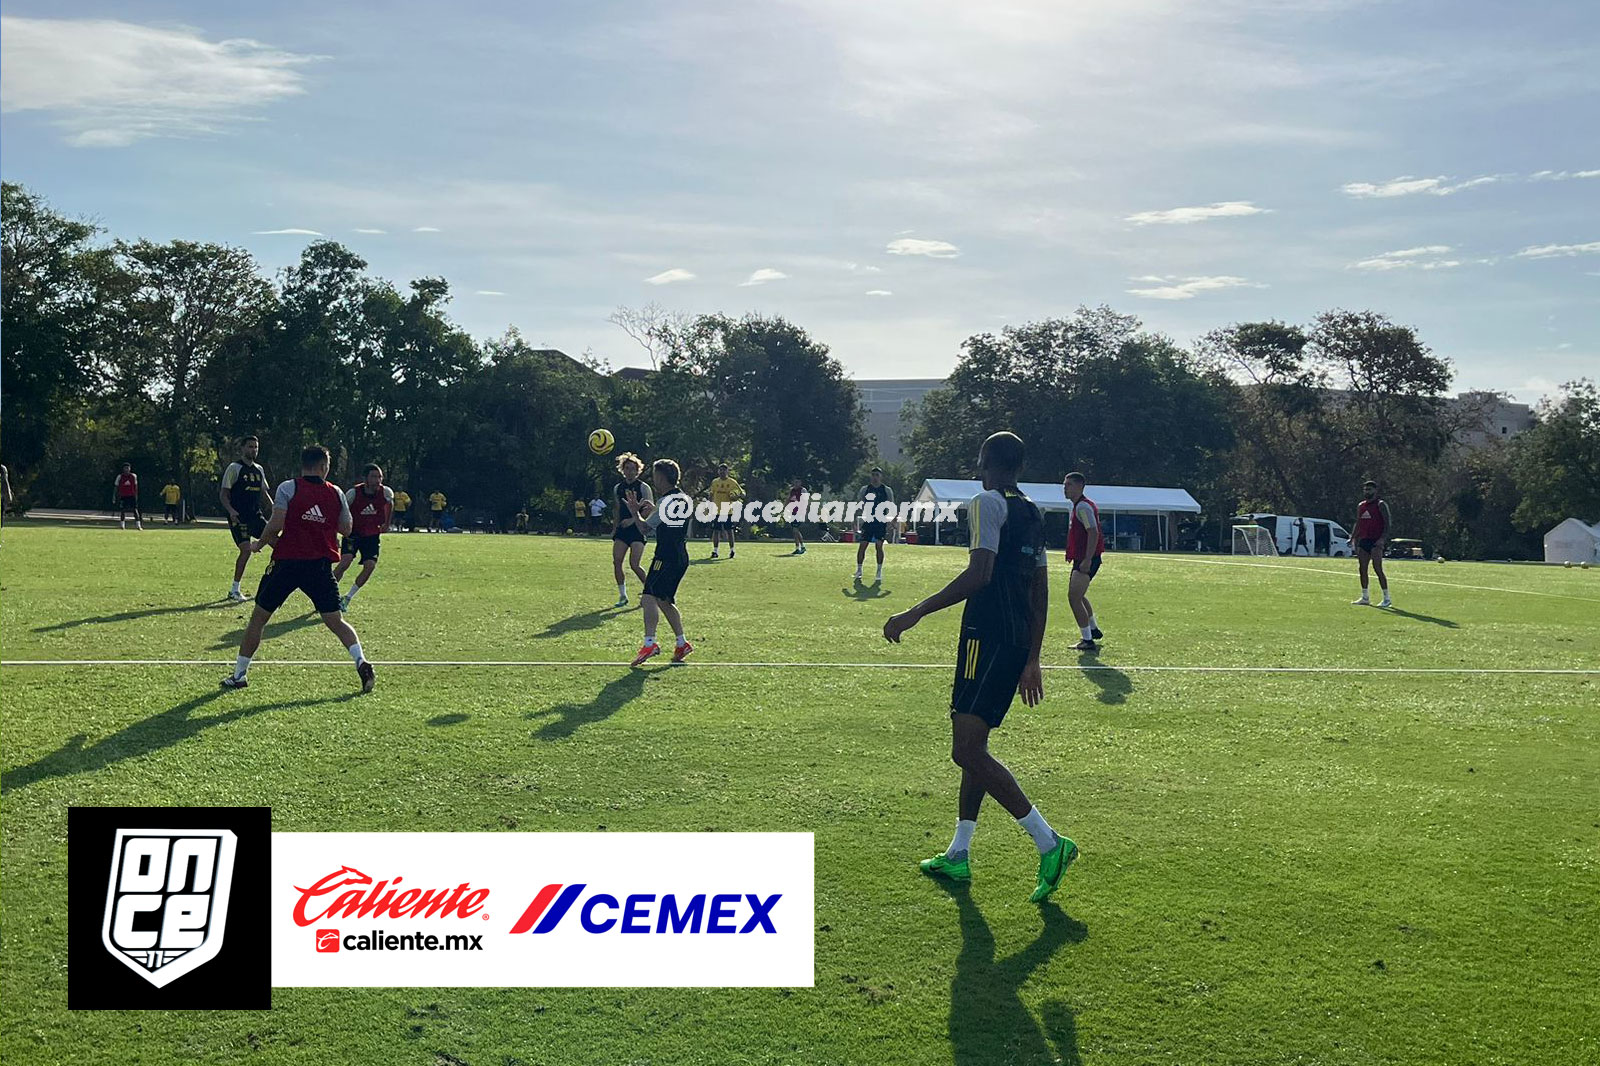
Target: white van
pixel 1296 535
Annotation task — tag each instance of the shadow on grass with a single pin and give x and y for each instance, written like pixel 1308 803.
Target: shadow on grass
pixel 273 629
pixel 576 623
pixel 144 738
pixel 1421 617
pixel 988 1021
pixel 448 719
pixel 862 591
pixel 1114 685
pixel 130 616
pixel 567 718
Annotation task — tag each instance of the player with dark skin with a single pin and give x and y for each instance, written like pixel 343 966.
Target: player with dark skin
pixel 1372 532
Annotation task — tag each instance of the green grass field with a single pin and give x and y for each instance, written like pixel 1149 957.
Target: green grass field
pixel 1278 867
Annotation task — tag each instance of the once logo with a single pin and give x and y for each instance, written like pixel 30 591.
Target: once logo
pixel 327 940
pixel 358 900
pixel 167 901
pixel 646 912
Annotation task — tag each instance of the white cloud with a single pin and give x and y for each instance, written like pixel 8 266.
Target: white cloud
pixel 762 276
pixel 1563 175
pixel 488 292
pixel 862 268
pixel 1557 251
pixel 359 230
pixel 913 246
pixel 667 277
pixel 1427 257
pixel 879 292
pixel 1189 288
pixel 1409 186
pixel 426 229
pixel 292 231
pixel 108 83
pixel 1184 215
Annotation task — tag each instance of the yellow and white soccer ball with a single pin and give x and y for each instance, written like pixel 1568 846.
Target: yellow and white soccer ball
pixel 601 442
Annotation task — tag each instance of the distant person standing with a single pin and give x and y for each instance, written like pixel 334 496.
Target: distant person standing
pixel 436 502
pixel 797 494
pixel 522 520
pixel 371 505
pixel 1372 530
pixel 308 516
pixel 580 511
pixel 171 494
pixel 402 509
pixel 126 486
pixel 1300 537
pixel 243 494
pixel 1086 544
pixel 597 511
pixel 869 529
pixel 725 488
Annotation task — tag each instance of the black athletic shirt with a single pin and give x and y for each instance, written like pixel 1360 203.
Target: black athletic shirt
pixel 671 540
pixel 246 482
pixel 625 516
pixel 1002 611
pixel 872 496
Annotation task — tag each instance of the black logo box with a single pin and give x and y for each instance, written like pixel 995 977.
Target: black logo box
pixel 239 978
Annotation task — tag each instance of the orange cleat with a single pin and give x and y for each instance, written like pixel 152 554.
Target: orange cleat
pixel 681 652
pixel 646 651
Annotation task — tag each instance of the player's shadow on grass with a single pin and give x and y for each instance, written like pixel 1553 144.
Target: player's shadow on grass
pixel 988 1021
pixel 1421 617
pixel 1114 685
pixel 566 719
pixel 862 591
pixel 130 616
pixel 576 623
pixel 273 629
pixel 146 737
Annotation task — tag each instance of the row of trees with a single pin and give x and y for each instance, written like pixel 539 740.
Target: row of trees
pixel 164 355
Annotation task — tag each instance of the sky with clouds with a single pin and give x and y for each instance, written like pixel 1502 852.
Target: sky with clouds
pixel 894 176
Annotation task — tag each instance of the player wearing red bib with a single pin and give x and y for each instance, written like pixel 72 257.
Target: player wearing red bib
pixel 1372 529
pixel 308 516
pixel 127 489
pixel 1086 544
pixel 371 505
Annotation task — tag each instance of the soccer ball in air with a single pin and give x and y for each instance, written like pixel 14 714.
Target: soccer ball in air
pixel 601 442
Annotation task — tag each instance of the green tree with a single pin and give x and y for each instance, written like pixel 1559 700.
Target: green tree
pixel 1557 462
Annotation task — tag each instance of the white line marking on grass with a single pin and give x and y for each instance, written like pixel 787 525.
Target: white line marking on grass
pixel 219 663
pixel 1343 574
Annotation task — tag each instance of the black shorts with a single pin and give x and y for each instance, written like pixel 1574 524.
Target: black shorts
pixel 628 535
pixel 247 527
pixel 987 674
pixel 127 505
pixel 314 577
pixel 366 545
pixel 1087 566
pixel 172 510
pixel 874 531
pixel 723 524
pixel 661 581
pixel 1366 544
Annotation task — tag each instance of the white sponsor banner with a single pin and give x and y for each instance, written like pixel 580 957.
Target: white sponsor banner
pixel 578 910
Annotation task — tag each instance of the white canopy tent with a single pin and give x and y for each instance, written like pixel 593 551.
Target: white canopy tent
pixel 1112 500
pixel 1573 541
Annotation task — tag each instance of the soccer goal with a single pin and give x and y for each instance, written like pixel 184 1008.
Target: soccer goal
pixel 1253 540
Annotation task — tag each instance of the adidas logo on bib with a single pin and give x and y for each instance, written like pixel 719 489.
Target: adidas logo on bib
pixel 314 513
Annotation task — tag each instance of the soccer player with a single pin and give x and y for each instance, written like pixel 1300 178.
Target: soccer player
pixel 126 485
pixel 170 495
pixel 724 489
pixel 242 492
pixel 627 539
pixel 797 494
pixel 1006 590
pixel 402 509
pixel 669 517
pixel 308 515
pixel 436 502
pixel 1372 529
pixel 580 511
pixel 868 529
pixel 522 520
pixel 6 499
pixel 1086 543
pixel 371 504
pixel 597 510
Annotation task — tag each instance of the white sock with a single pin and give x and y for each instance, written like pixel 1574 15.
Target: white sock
pixel 236 586
pixel 1044 838
pixel 1363 592
pixel 649 639
pixel 352 593
pixel 880 569
pixel 622 588
pixel 240 665
pixel 1093 622
pixel 682 640
pixel 959 843
pixel 1088 634
pixel 355 653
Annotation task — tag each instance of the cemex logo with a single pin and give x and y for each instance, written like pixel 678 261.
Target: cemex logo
pixel 646 912
pixel 359 897
pixel 155 894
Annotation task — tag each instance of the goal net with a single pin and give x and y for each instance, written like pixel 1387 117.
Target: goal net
pixel 1253 540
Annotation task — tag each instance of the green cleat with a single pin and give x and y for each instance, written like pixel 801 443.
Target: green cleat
pixel 943 866
pixel 1052 867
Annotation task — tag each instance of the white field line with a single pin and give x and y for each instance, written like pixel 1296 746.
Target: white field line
pixel 1344 575
pixel 557 663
